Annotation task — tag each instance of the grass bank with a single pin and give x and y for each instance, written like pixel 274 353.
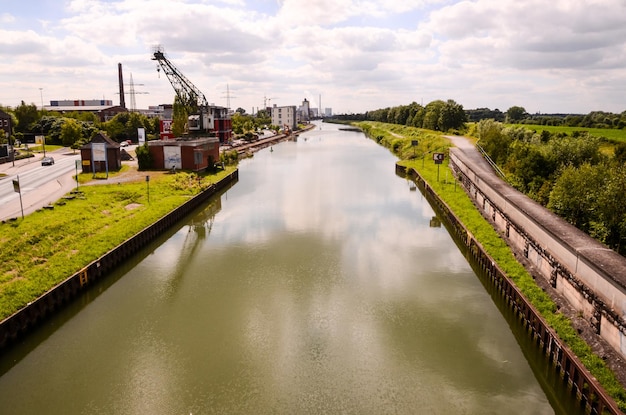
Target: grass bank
pixel 49 245
pixel 611 134
pixel 399 139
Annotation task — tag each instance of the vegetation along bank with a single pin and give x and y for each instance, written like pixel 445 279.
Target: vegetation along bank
pixel 399 140
pixel 50 245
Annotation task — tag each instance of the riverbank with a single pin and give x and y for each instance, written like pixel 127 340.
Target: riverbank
pixel 51 260
pixel 58 252
pixel 249 148
pixel 399 140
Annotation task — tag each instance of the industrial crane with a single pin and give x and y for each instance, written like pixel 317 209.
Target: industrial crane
pixel 200 117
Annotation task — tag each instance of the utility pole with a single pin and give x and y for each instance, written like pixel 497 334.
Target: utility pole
pixel 42 134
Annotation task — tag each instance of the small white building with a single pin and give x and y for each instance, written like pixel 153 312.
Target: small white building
pixel 285 117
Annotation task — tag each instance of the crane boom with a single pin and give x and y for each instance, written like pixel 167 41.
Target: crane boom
pixel 202 118
pixel 186 91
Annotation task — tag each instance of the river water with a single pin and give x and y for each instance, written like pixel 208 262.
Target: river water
pixel 317 284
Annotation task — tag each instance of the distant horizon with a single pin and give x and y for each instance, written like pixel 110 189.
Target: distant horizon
pixel 312 107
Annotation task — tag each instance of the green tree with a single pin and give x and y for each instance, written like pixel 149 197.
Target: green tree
pixel 26 116
pixel 432 115
pixel 515 114
pixel 71 132
pixel 529 171
pixel 402 114
pixel 451 116
pixel 144 158
pixel 493 141
pixel 575 194
pixel 611 209
pixel 179 118
pixel 574 150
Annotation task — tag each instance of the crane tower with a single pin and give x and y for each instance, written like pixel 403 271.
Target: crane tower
pixel 201 117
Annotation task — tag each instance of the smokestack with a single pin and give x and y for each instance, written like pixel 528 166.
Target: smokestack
pixel 121 81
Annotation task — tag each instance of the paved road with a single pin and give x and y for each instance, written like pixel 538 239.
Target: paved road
pixel 39 185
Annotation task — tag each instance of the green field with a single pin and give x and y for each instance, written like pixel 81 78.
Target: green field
pixel 611 134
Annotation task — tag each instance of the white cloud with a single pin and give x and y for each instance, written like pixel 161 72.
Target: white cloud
pixel 559 56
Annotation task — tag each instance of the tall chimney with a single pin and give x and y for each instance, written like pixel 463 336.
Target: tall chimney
pixel 121 81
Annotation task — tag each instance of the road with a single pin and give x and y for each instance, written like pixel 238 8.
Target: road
pixel 39 185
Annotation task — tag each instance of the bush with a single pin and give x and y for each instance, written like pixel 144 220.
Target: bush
pixel 144 158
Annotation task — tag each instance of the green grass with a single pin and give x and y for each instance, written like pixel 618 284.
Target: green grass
pixel 49 245
pixel 462 206
pixel 611 134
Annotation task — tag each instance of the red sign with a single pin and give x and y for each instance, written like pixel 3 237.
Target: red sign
pixel 165 129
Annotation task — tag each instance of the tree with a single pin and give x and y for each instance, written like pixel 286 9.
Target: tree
pixel 144 158
pixel 179 117
pixel 402 114
pixel 451 116
pixel 26 115
pixel 515 114
pixel 611 209
pixel 71 132
pixel 575 194
pixel 431 117
pixel 493 141
pixel 574 150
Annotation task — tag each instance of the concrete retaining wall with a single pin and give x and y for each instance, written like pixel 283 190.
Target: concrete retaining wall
pixel 565 364
pixel 588 274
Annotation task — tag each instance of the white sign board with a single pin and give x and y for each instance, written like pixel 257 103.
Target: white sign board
pixel 98 152
pixel 172 157
pixel 141 135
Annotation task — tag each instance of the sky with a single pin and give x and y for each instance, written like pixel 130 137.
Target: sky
pixel 560 56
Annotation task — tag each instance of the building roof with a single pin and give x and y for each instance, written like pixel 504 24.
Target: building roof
pixel 68 108
pixel 102 138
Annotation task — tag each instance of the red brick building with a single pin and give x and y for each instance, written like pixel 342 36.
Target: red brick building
pixel 195 155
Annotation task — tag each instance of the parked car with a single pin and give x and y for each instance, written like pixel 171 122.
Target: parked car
pixel 47 161
pixel 125 143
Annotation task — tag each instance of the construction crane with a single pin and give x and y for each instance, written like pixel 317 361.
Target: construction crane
pixel 188 94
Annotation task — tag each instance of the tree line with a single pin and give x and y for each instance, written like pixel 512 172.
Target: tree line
pixel 519 115
pixel 448 115
pixel 437 115
pixel 76 128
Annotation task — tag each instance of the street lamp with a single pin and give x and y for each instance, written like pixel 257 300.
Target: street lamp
pixel 42 134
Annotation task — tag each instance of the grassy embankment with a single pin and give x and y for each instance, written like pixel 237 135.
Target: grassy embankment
pixel 49 245
pixel 611 134
pixel 398 139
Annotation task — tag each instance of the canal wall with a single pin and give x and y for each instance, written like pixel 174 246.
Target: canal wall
pixel 15 326
pixel 569 369
pixel 589 275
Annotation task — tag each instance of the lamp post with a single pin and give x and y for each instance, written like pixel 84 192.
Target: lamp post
pixel 42 134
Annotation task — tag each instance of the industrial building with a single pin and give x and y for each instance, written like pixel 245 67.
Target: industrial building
pixel 103 108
